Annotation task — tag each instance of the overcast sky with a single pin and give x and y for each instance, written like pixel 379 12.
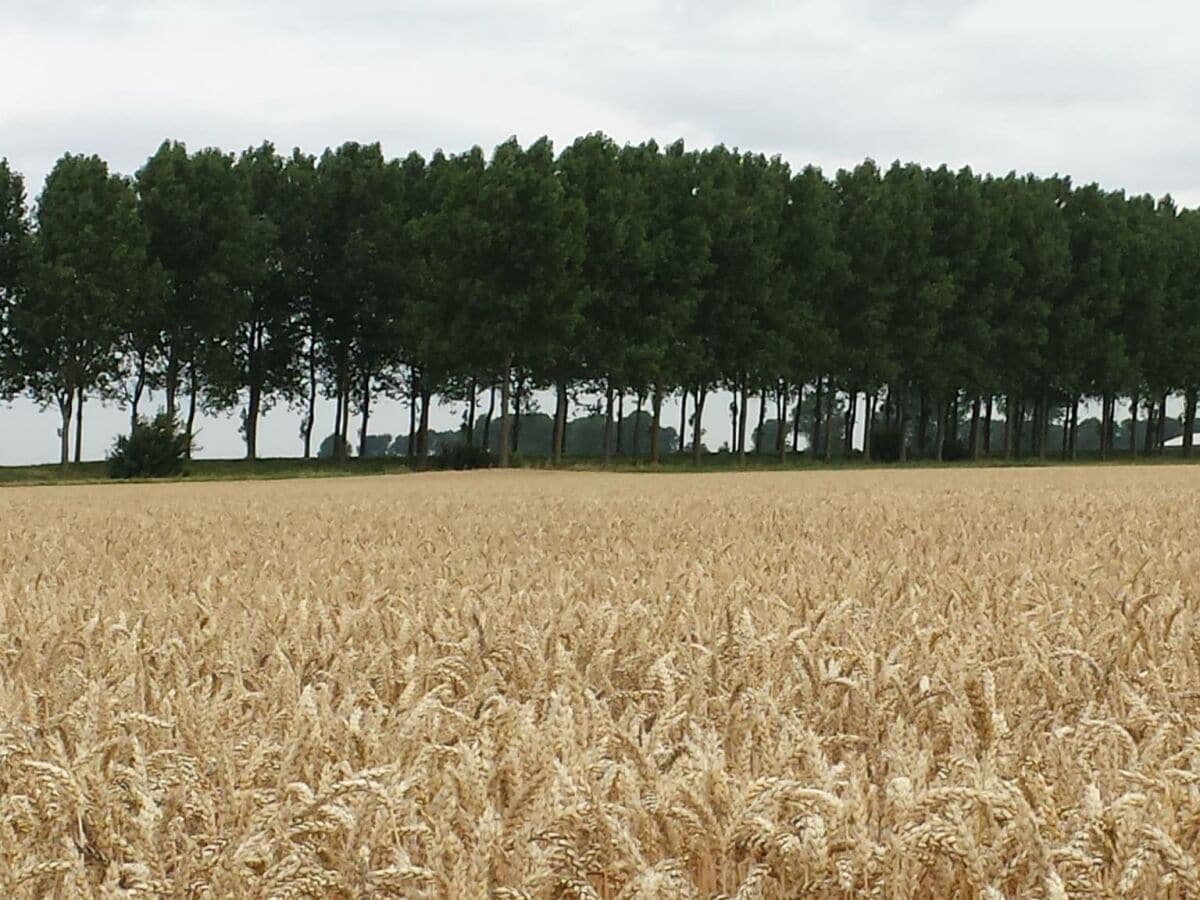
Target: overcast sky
pixel 1101 90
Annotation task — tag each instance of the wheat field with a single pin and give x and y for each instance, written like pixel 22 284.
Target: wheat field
pixel 536 685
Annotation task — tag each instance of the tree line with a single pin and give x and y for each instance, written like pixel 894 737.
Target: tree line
pixel 906 299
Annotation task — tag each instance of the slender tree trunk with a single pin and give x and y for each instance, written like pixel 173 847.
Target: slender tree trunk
pixel 558 440
pixel 1189 420
pixel 923 424
pixel 902 418
pixel 796 418
pixel 1151 426
pixel 741 424
pixel 252 406
pixel 474 397
pixel 974 433
pixel 987 425
pixel 888 411
pixel 505 398
pixel 683 422
pixel 831 397
pixel 1043 433
pixel 656 418
pixel 781 421
pixel 733 422
pixel 1161 440
pixel 939 427
pixel 1066 431
pixel 620 423
pixel 310 418
pixel 637 425
pixel 366 415
pixel 606 449
pixel 1073 444
pixel 414 391
pixel 817 420
pixel 139 386
pixel 851 420
pixel 423 428
pixel 759 447
pixel 952 429
pixel 869 425
pixel 697 424
pixel 487 421
pixel 518 396
pixel 1133 425
pixel 343 443
pixel 79 427
pixel 172 385
pixel 193 388
pixel 1010 410
pixel 65 404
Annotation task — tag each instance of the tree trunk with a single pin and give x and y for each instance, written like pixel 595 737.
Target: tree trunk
pixel 902 418
pixel 848 421
pixel 487 420
pixel 829 405
pixel 606 448
pixel 518 394
pixel 741 424
pixel 414 391
pixel 505 397
pixel 310 420
pixel 139 386
pixel 796 418
pixel 558 440
pixel 79 428
pixel 1161 440
pixel 64 407
pixel 366 416
pixel 816 438
pixel 1072 445
pixel 780 421
pixel 987 425
pixel 1043 420
pixel 759 447
pixel 923 424
pixel 1133 423
pixel 656 418
pixel 697 420
pixel 683 422
pixel 620 423
pixel 1189 420
pixel 1019 430
pixel 1010 409
pixel 733 421
pixel 637 424
pixel 470 429
pixel 172 385
pixel 252 406
pixel 423 428
pixel 939 427
pixel 973 434
pixel 343 441
pixel 191 417
pixel 952 425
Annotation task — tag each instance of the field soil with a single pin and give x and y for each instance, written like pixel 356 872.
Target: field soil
pixel 525 684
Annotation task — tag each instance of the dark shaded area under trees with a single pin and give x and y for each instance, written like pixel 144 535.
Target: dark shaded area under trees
pixel 949 314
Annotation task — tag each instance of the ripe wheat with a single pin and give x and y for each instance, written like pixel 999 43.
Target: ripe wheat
pixel 528 685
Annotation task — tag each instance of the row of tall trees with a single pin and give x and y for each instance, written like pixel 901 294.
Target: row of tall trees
pixel 894 297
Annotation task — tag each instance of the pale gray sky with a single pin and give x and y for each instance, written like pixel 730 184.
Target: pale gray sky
pixel 1098 89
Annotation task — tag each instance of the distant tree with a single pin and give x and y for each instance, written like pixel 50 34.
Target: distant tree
pixel 532 247
pixel 86 268
pixel 14 248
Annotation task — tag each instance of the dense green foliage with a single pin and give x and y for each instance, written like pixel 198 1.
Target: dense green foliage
pixel 154 449
pixel 955 314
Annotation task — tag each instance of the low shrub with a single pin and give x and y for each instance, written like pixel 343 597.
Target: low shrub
pixel 154 449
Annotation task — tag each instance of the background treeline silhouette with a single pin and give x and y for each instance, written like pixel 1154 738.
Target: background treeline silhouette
pixel 941 312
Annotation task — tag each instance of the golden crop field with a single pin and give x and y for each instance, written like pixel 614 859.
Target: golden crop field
pixel 536 685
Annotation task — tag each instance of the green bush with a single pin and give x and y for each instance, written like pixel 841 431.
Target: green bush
pixel 461 455
pixel 154 449
pixel 885 443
